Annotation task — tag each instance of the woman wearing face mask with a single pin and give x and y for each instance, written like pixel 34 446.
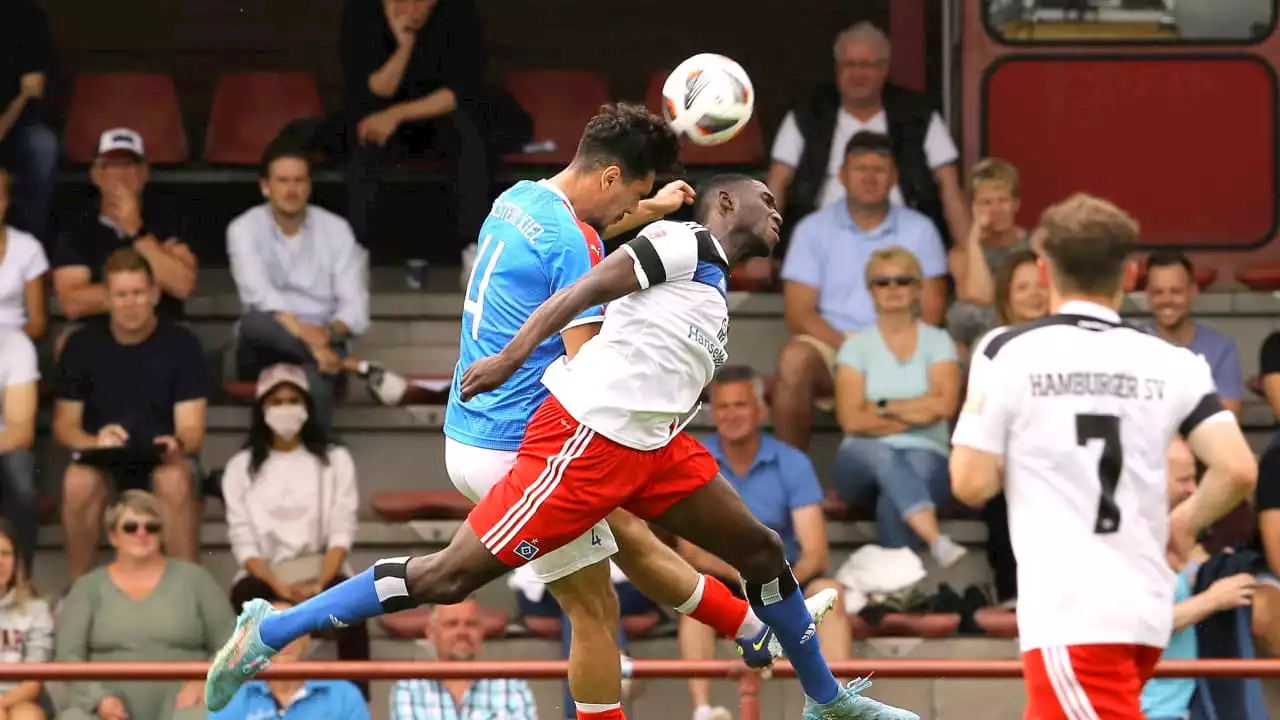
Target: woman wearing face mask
pixel 291 503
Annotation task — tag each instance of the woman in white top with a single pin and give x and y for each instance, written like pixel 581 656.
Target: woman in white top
pixel 23 266
pixel 291 503
pixel 26 632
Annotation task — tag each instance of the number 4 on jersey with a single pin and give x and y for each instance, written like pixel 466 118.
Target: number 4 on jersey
pixel 1110 463
pixel 476 306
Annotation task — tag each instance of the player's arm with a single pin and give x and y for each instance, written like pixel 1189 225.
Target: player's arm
pixel 577 336
pixel 1231 470
pixel 978 444
pixel 669 199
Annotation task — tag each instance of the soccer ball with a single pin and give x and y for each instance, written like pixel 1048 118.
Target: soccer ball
pixel 708 99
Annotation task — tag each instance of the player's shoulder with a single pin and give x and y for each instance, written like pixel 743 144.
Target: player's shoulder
pixel 671 229
pixel 999 340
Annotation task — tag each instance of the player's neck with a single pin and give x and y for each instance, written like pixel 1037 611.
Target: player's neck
pixel 570 183
pixel 1057 301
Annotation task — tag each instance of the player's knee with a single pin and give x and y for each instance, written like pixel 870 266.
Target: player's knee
pixel 586 600
pixel 764 558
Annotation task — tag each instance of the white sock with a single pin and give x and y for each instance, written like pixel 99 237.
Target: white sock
pixel 596 707
pixel 751 625
pixel 689 605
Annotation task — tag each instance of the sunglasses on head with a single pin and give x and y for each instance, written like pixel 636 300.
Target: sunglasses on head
pixel 894 280
pixel 131 527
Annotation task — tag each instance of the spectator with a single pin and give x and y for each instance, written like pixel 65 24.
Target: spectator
pixel 120 173
pixel 27 145
pixel 142 607
pixel 806 169
pixel 22 269
pixel 822 306
pixel 897 385
pixel 295 699
pixel 19 376
pixel 290 545
pixel 1171 290
pixel 413 70
pixel 26 629
pixel 993 236
pixel 138 385
pixel 302 280
pixel 1267 501
pixel 458 636
pixel 780 487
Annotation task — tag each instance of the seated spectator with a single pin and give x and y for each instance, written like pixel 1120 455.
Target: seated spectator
pixel 26 626
pixel 19 377
pixel 302 280
pixel 536 602
pixel 291 544
pixel 458 636
pixel 993 235
pixel 781 489
pixel 1171 290
pixel 141 607
pixel 138 385
pixel 120 174
pixel 1267 500
pixel 295 699
pixel 823 306
pixel 897 386
pixel 23 266
pixel 27 145
pixel 413 71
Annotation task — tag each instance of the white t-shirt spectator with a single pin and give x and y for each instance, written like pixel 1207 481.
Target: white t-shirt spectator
pixel 23 261
pixel 17 361
pixel 939 148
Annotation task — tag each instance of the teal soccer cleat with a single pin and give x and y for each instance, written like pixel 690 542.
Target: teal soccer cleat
pixel 243 656
pixel 849 705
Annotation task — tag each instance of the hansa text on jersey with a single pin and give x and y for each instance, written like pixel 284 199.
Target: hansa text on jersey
pixel 1121 385
pixel 718 355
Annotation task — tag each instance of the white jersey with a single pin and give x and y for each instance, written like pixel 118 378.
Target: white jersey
pixel 638 381
pixel 1083 408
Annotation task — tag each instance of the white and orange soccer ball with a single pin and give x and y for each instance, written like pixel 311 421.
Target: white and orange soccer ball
pixel 708 99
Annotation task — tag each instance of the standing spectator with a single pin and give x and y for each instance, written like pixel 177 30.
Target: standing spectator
pixel 27 145
pixel 19 377
pixel 780 487
pixel 823 305
pixel 1171 290
pixel 295 699
pixel 137 383
pixel 120 174
pixel 805 173
pixel 897 386
pixel 142 607
pixel 23 266
pixel 291 543
pixel 458 635
pixel 413 70
pixel 26 631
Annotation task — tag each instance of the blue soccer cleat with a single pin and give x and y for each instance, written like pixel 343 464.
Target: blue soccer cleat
pixel 849 705
pixel 243 656
pixel 760 651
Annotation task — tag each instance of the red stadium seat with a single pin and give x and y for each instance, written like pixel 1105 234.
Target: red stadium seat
pixel 635 626
pixel 997 622
pixel 1204 278
pixel 560 103
pixel 412 624
pixel 409 505
pixel 147 103
pixel 923 625
pixel 249 110
pixel 756 275
pixel 1264 277
pixel 241 390
pixel 747 148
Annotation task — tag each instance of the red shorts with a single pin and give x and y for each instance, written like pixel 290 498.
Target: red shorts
pixel 567 478
pixel 1087 682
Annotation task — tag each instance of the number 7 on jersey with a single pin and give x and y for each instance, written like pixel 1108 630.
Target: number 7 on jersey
pixel 1110 464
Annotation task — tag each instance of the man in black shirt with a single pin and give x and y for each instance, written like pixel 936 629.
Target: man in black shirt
pixel 131 402
pixel 27 146
pixel 413 72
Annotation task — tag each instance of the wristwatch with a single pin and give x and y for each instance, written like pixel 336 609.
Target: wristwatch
pixel 882 407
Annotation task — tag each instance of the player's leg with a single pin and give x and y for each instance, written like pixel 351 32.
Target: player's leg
pixel 1087 681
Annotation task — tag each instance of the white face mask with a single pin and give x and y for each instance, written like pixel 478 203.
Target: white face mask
pixel 286 421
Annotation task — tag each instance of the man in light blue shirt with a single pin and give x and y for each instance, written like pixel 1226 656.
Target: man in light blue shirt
pixel 825 297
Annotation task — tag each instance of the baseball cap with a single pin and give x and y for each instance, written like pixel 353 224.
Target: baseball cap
pixel 121 140
pixel 280 374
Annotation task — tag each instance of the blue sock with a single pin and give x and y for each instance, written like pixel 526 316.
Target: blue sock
pixel 780 605
pixel 378 590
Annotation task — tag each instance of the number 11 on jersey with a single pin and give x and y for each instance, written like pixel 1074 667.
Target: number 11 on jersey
pixel 476 306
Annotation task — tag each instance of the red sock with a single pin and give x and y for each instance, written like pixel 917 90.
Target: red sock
pixel 613 713
pixel 720 609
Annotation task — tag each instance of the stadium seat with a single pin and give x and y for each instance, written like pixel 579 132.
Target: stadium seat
pixel 560 103
pixel 249 110
pixel 147 103
pixel 241 390
pixel 427 390
pixel 1264 277
pixel 923 625
pixel 412 624
pixel 747 148
pixel 1204 277
pixel 410 505
pixel 756 275
pixel 997 622
pixel 635 626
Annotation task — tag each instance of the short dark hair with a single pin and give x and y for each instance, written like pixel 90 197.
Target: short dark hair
pixel 631 137
pixel 740 373
pixel 126 259
pixel 280 148
pixel 1169 258
pixel 710 188
pixel 869 142
pixel 1088 241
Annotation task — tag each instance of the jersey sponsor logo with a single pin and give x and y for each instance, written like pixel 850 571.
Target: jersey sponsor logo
pixel 713 348
pixel 527 550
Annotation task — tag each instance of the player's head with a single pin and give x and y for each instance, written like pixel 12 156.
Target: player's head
pixel 1086 243
pixel 1181 472
pixel 622 151
pixel 739 206
pixel 1171 287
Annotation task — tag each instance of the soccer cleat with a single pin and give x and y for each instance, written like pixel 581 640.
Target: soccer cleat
pixel 243 656
pixel 849 705
pixel 760 651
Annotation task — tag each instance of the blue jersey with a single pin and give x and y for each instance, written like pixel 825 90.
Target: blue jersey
pixel 531 245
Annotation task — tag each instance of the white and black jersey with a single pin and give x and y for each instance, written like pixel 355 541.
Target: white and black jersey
pixel 638 381
pixel 1083 409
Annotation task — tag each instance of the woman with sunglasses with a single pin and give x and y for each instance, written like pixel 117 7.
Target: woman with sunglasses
pixel 897 385
pixel 26 626
pixel 141 607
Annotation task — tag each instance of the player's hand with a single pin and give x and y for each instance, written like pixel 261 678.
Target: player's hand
pixel 671 197
pixel 1233 592
pixel 112 436
pixel 486 374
